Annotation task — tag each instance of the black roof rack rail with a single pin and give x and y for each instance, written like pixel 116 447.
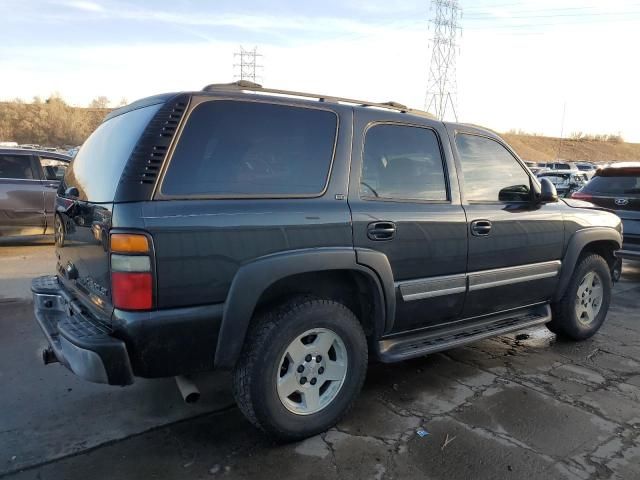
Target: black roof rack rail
pixel 244 85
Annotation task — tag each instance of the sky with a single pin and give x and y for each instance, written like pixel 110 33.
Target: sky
pixel 520 63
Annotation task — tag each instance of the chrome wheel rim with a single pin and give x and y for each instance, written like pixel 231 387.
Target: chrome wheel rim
pixel 312 371
pixel 589 298
pixel 58 231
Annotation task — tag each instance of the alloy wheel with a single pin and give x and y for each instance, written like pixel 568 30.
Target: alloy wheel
pixel 589 298
pixel 312 371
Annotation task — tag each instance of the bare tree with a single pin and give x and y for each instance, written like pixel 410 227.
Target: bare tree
pixel 99 102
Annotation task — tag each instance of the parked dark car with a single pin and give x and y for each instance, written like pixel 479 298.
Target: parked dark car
pixel 291 237
pixel 588 168
pixel 28 183
pixel 565 181
pixel 617 187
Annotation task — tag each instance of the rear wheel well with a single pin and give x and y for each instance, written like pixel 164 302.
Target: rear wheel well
pixel 352 288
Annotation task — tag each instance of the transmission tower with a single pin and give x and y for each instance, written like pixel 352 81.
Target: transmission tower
pixel 248 65
pixel 441 85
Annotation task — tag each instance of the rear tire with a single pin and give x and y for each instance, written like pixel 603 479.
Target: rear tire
pixel 581 311
pixel 301 368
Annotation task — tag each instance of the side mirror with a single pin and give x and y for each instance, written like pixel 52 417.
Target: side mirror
pixel 548 193
pixel 72 192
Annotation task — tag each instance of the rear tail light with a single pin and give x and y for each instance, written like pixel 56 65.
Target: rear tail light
pixel 581 196
pixel 132 291
pixel 131 274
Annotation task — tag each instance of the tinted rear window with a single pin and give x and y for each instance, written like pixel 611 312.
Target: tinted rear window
pixel 232 148
pixel 96 169
pixel 614 185
pixel 402 162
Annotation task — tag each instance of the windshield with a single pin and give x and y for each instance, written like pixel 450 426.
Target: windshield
pixel 96 169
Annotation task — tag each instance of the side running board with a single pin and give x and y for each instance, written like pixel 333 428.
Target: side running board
pixel 418 344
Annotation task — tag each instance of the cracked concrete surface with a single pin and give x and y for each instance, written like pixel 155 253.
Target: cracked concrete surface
pixel 516 406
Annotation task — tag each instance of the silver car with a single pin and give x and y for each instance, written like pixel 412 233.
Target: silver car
pixel 28 183
pixel 565 181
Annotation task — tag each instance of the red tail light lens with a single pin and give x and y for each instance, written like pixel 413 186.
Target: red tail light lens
pixel 581 196
pixel 132 291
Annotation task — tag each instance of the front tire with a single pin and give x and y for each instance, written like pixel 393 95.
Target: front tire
pixel 581 311
pixel 301 368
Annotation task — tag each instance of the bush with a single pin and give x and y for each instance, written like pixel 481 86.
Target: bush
pixel 51 123
pixel 597 137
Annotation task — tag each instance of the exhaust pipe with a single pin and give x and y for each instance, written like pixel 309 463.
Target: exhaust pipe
pixel 49 356
pixel 188 389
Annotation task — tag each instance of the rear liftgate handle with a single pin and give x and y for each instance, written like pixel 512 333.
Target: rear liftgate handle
pixel 480 228
pixel 381 230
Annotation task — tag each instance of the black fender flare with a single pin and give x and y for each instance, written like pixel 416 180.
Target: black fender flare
pixel 578 241
pixel 379 263
pixel 253 278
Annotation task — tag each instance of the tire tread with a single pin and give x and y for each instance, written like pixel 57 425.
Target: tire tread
pixel 259 332
pixel 563 315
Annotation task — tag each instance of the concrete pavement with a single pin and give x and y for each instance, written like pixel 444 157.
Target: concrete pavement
pixel 20 261
pixel 47 412
pixel 522 405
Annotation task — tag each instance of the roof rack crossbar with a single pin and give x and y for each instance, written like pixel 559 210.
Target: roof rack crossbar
pixel 243 85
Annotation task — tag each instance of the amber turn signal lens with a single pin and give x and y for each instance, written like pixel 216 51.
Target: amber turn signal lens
pixel 129 243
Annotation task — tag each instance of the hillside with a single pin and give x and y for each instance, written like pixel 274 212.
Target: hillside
pixel 55 123
pixel 540 149
pixel 51 123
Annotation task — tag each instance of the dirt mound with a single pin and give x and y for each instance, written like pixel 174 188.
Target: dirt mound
pixel 540 149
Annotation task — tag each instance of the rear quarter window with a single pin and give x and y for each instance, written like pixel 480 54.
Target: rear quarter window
pixel 53 169
pixel 98 166
pixel 239 149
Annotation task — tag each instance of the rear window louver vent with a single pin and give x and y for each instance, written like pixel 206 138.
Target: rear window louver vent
pixel 146 160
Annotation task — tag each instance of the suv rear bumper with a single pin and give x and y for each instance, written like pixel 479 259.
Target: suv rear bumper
pixel 82 344
pixel 150 344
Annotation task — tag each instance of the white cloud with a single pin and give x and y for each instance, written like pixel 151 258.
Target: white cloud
pixel 505 80
pixel 83 5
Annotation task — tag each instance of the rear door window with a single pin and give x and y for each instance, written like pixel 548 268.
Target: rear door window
pixel 16 167
pixel 402 162
pixel 239 149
